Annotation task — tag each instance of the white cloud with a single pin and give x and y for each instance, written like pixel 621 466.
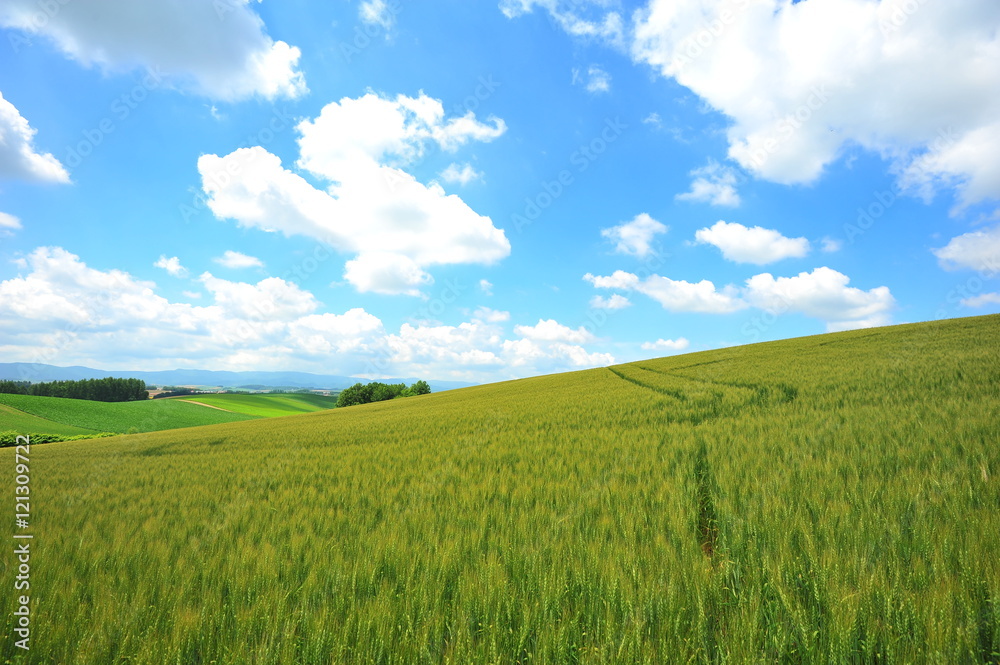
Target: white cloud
pixel 355 331
pixel 653 119
pixel 18 156
pixel 60 311
pixel 581 18
pixel 271 299
pixel 751 245
pixel 172 265
pixel 635 237
pixel 823 294
pixel 977 250
pixel 396 226
pixel 486 286
pixel 479 349
pixel 9 222
pixel 491 315
pixel 982 300
pixel 237 260
pixel 714 184
pixel 666 345
pixel 551 330
pixel 386 273
pixel 598 80
pixel 831 245
pixel 461 174
pixel 616 301
pixel 803 81
pixel 378 13
pixel 674 295
pixel 218 49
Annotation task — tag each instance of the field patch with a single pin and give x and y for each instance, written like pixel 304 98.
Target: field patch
pixel 265 405
pixel 118 417
pixel 15 420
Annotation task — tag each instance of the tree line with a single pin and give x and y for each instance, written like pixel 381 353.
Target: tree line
pixel 99 390
pixel 364 393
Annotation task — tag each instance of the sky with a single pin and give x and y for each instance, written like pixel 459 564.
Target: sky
pixel 479 191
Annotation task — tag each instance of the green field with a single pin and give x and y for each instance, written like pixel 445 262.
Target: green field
pixel 14 420
pixel 266 405
pixel 831 499
pixel 54 413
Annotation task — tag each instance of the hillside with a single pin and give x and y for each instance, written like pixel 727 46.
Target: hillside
pixel 823 499
pixel 266 406
pixel 120 417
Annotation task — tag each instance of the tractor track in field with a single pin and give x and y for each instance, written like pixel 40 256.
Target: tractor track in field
pixel 191 401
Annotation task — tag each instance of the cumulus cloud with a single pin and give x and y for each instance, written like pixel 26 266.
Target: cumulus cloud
pixel 713 184
pixel 674 345
pixel 490 315
pixel 19 159
pixel 172 265
pixel 62 311
pixel 756 245
pixel 616 301
pixel 635 238
pixel 551 330
pixel 674 295
pixel 218 49
pixel 982 300
pixel 824 294
pixel 268 300
pixel 8 223
pixel 396 226
pixel 461 174
pixel 480 347
pixel 237 260
pixel 977 250
pixel 386 273
pixel 803 81
pixel 486 286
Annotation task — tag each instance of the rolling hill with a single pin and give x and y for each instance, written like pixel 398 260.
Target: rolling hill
pixel 824 499
pixel 117 417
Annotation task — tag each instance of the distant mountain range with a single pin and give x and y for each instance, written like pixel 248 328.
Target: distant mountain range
pixel 37 372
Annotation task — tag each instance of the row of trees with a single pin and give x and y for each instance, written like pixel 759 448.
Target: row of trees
pixel 363 393
pixel 99 390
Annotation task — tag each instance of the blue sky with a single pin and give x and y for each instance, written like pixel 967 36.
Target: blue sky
pixel 482 191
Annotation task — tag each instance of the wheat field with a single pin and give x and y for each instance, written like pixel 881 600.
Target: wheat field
pixel 831 499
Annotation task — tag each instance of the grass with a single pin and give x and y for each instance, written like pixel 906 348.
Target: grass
pixel 12 419
pixel 831 499
pixel 267 405
pixel 119 417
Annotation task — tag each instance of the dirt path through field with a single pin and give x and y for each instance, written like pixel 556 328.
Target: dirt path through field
pixel 208 405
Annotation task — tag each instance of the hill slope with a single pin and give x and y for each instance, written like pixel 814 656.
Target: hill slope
pixel 120 417
pixel 825 499
pixel 267 406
